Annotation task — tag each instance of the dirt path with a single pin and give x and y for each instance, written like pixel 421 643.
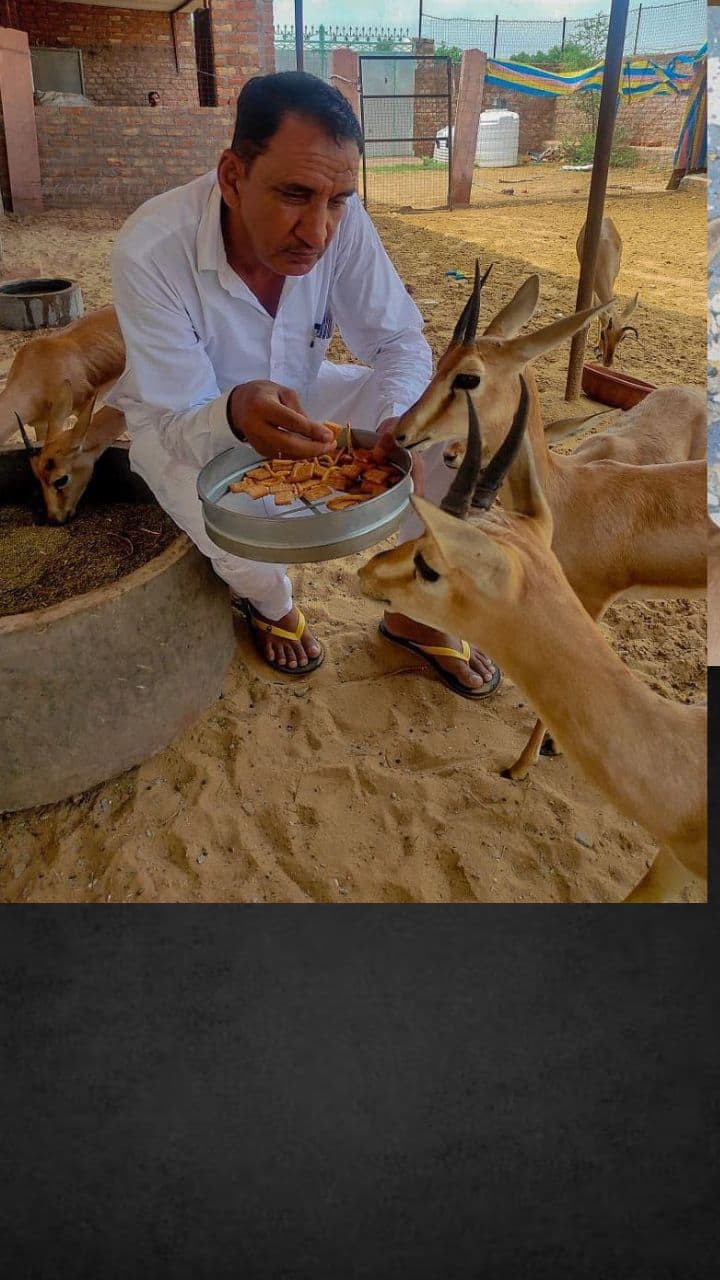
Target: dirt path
pixel 370 782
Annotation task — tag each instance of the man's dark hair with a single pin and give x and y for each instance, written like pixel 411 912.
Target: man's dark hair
pixel 265 100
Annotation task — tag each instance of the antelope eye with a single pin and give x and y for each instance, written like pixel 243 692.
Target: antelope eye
pixel 424 568
pixel 60 482
pixel 466 382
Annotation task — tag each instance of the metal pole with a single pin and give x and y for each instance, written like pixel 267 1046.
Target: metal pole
pixel 420 18
pixel 562 42
pixel 299 57
pixel 598 183
pixel 637 29
pixel 495 37
pixel 449 114
pixel 362 130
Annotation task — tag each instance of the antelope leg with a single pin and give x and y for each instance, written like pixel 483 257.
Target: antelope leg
pixel 663 882
pixel 528 756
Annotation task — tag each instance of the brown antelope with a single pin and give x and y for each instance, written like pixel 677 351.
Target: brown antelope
pixel 619 530
pixel 64 465
pixel 669 425
pixel 613 324
pixel 499 582
pixel 89 354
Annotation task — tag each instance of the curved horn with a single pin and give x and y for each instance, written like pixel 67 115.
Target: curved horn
pixel 31 448
pixel 492 476
pixel 458 498
pixel 459 330
pixel 474 312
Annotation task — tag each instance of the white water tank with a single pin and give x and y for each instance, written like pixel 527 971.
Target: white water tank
pixel 497 140
pixel 497 145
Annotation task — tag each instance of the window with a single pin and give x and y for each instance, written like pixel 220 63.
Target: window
pixel 57 69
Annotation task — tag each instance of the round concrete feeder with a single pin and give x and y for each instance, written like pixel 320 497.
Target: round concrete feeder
pixel 39 304
pixel 98 683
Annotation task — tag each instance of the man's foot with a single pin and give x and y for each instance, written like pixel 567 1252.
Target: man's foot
pixel 478 674
pixel 296 650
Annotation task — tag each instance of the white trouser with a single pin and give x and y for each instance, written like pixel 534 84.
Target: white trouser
pixel 341 393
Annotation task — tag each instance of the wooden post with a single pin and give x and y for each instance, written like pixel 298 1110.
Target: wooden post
pixel 598 184
pixel 345 75
pixel 18 108
pixel 467 124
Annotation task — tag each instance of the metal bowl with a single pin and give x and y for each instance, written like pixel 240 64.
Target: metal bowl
pixel 256 530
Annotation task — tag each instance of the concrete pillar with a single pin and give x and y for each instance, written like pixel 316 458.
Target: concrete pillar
pixel 467 122
pixel 18 109
pixel 345 75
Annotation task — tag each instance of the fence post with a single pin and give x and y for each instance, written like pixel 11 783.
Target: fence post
pixel 562 40
pixel 467 123
pixel 637 29
pixel 420 18
pixel 495 38
pixel 345 75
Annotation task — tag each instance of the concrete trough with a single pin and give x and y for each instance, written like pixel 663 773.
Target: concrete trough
pixel 97 684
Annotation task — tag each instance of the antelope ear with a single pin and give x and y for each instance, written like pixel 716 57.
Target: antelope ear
pixel 630 308
pixel 465 547
pixel 82 426
pixel 531 345
pixel 60 411
pixel 510 320
pixel 528 498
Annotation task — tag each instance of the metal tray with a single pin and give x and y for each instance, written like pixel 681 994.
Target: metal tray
pixel 256 529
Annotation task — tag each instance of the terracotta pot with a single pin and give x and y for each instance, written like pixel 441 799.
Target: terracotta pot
pixel 610 387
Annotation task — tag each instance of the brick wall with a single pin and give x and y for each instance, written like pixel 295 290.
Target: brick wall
pixel 125 52
pixel 537 115
pixel 120 156
pixel 430 114
pixel 650 122
pixel 243 42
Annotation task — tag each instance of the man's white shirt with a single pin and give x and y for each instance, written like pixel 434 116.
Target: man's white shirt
pixel 193 329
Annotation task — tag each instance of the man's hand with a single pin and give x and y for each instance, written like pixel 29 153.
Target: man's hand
pixel 271 419
pixel 386 442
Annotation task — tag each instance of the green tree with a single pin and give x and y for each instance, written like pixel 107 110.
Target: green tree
pixel 448 51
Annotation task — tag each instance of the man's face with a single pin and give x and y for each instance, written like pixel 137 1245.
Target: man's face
pixel 287 206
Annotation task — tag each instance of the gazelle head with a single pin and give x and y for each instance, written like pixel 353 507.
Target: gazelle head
pixel 613 328
pixel 455 576
pixel 65 463
pixel 487 367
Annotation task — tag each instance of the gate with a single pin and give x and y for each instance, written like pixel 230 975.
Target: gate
pixel 405 101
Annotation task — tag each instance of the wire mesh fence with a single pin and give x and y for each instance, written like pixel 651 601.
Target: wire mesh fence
pixel 406 102
pixel 556 136
pixel 650 29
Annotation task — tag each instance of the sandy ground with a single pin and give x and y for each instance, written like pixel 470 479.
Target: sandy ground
pixel 369 781
pixel 396 183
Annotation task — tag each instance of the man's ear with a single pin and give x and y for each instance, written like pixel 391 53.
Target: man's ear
pixel 230 171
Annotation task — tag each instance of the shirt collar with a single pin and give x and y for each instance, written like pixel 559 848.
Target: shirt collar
pixel 209 242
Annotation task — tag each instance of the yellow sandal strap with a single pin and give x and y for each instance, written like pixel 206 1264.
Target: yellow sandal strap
pixel 278 631
pixel 439 651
